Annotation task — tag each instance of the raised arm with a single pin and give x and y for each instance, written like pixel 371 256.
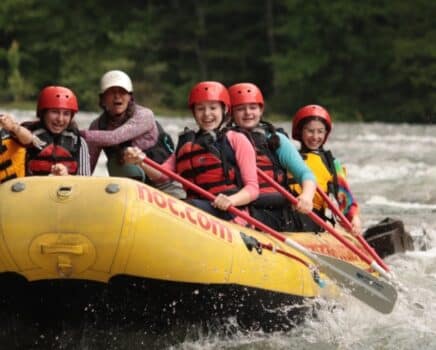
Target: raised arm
pixel 346 200
pixel 142 123
pixel 23 135
pixel 246 161
pixel 291 160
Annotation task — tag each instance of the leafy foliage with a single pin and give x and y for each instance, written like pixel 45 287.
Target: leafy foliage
pixel 373 60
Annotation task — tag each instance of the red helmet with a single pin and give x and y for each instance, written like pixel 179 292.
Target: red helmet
pixel 307 112
pixel 209 91
pixel 57 97
pixel 245 93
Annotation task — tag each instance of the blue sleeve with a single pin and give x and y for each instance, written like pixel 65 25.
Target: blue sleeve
pixel 291 160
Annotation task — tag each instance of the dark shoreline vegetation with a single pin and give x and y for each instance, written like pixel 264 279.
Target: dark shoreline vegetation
pixel 359 60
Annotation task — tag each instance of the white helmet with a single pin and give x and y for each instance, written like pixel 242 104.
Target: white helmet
pixel 115 78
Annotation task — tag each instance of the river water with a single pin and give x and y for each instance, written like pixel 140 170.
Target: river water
pixel 392 172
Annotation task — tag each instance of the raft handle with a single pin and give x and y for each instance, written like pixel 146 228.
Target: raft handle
pixel 76 249
pixel 64 192
pixel 251 242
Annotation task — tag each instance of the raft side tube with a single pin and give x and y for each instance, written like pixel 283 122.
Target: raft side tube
pixel 61 227
pixel 95 228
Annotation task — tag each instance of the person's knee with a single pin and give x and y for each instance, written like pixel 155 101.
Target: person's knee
pixel 125 170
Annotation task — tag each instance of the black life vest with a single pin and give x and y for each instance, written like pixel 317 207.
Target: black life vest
pixel 271 208
pixel 61 148
pixel 208 160
pixel 266 159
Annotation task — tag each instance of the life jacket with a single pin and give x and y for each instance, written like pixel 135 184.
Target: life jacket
pixel 321 164
pixel 266 159
pixel 61 148
pixel 12 158
pixel 160 152
pixel 271 208
pixel 208 161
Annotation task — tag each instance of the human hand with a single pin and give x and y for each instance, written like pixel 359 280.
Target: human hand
pixel 133 155
pixel 59 169
pixel 304 203
pixel 356 225
pixel 37 142
pixel 222 202
pixel 8 123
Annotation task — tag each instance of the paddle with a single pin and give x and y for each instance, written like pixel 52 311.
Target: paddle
pixel 327 227
pixel 371 290
pixel 349 227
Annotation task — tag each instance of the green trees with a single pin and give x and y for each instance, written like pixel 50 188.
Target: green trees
pixel 18 88
pixel 372 60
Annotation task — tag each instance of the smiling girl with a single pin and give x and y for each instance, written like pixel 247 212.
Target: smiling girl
pixel 311 126
pixel 60 149
pixel 222 163
pixel 275 155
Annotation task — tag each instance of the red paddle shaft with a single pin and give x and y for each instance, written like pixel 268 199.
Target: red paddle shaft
pixel 349 227
pixel 321 223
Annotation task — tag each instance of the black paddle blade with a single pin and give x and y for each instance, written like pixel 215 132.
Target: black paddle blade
pixel 371 290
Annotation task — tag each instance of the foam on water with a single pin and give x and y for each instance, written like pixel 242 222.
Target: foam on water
pixel 382 201
pixel 389 139
pixel 349 324
pixel 389 171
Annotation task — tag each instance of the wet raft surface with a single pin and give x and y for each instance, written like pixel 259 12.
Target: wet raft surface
pixel 65 313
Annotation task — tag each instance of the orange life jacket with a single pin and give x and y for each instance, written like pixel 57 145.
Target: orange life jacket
pixel 12 158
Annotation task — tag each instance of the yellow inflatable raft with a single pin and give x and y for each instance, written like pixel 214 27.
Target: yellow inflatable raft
pixel 104 228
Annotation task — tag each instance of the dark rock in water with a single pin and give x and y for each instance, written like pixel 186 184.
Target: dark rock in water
pixel 389 237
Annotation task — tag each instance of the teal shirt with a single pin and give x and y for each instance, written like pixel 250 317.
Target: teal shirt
pixel 291 160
